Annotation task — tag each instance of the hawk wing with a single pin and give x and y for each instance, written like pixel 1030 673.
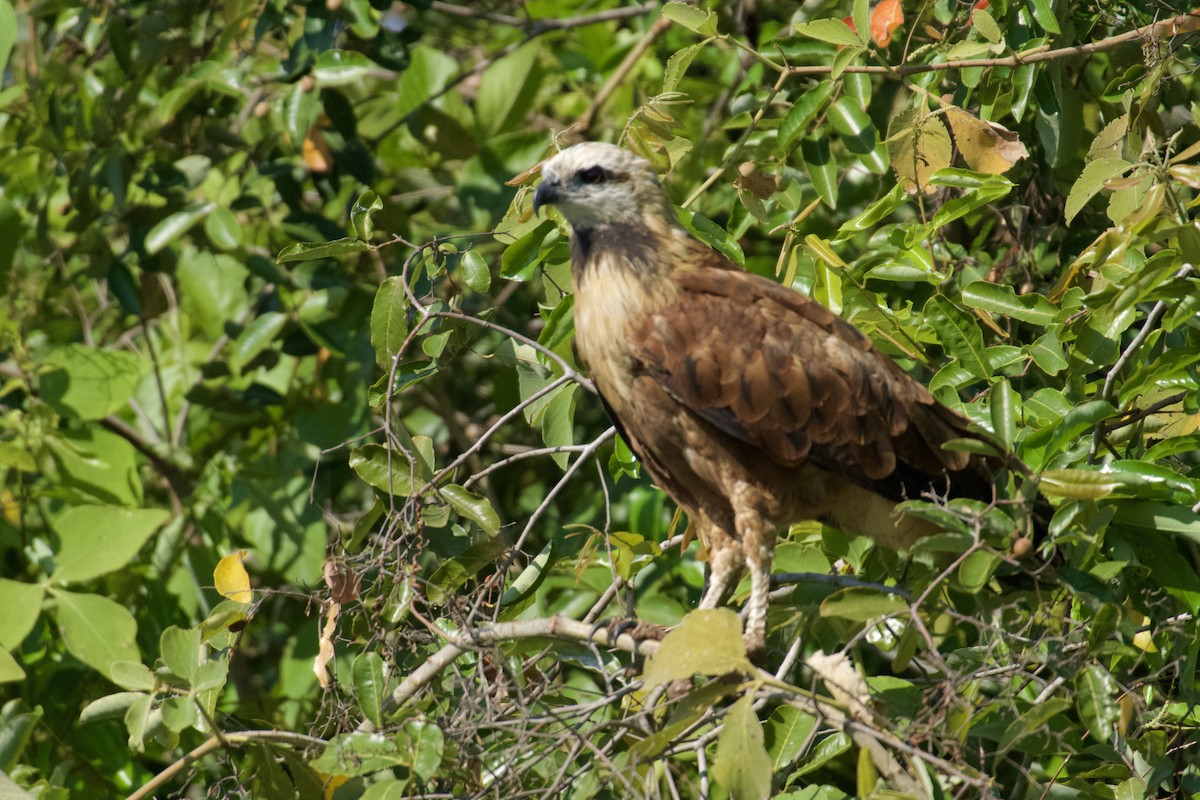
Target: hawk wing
pixel 778 371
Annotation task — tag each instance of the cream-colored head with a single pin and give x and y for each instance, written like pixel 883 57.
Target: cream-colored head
pixel 595 184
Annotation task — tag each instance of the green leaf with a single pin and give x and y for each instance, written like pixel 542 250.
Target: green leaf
pixel 678 63
pixel 959 335
pixel 311 251
pixel 370 685
pixel 341 67
pixel 361 212
pixel 802 113
pixel 1095 690
pixel 389 320
pixel 523 256
pixel 785 733
pixel 1077 484
pixel 821 167
pixel 136 718
pixel 213 288
pixel 1031 721
pixel 169 229
pixel 96 540
pixel 10 670
pixel 713 235
pixel 827 750
pixel 742 764
pixel 391 474
pixel 873 214
pixel 987 27
pixel 977 569
pixel 1032 308
pixel 8 32
pixel 300 111
pixel 701 21
pixel 426 746
pixel 454 572
pixel 133 675
pixel 833 31
pixel 256 337
pixel 707 641
pixel 22 603
pixel 1043 13
pixel 1047 352
pixel 472 506
pixel 1002 407
pixel 387 789
pixel 475 271
pixel 110 706
pixel 428 72
pixel 507 90
pixel 179 713
pixel 86 383
pixel 1091 181
pixel 223 229
pixel 860 604
pixel 96 630
pixel 353 754
pixel 532 576
pixel 182 651
pixel 1159 518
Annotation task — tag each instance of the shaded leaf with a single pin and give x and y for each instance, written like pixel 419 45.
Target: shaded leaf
pixel 707 641
pixel 742 764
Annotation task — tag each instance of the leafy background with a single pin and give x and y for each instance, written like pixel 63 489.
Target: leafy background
pixel 271 283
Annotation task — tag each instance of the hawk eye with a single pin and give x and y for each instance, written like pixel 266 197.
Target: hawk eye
pixel 593 175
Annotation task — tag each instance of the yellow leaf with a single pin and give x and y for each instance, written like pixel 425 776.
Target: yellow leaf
pixel 986 146
pixel 231 579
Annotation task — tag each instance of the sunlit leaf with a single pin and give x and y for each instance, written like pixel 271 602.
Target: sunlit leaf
pixel 231 579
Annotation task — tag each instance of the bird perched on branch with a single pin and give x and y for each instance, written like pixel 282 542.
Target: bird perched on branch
pixel 752 405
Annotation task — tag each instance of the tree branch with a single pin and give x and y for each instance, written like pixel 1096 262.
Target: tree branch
pixel 1184 23
pixel 224 740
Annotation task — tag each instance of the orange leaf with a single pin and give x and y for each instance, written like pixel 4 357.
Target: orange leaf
pixel 316 153
pixel 885 19
pixel 231 580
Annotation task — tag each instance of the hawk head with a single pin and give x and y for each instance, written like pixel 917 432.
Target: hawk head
pixel 595 185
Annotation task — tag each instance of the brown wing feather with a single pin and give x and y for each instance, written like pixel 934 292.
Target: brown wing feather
pixel 776 370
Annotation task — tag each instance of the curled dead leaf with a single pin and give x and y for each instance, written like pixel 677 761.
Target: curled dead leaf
pixel 342 580
pixel 325 646
pixel 985 146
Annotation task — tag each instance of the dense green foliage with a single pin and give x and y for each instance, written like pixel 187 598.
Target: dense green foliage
pixel 270 282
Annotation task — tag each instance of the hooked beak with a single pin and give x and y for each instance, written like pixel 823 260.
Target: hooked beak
pixel 546 194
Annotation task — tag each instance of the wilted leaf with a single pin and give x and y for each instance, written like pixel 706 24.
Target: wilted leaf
pixel 886 17
pixel 325 646
pixel 918 145
pixel 231 579
pixel 986 146
pixel 342 579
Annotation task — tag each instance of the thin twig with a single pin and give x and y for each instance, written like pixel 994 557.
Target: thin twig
pixel 619 74
pixel 1184 23
pixel 555 627
pixel 299 740
pixel 539 26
